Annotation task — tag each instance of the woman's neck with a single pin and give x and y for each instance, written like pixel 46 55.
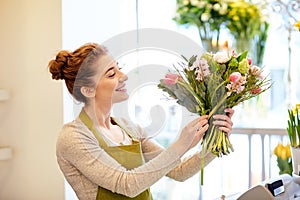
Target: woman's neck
pixel 100 116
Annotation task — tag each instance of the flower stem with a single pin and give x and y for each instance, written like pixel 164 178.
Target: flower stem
pixel 217 106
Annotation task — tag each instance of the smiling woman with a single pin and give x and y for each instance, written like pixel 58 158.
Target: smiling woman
pixel 103 157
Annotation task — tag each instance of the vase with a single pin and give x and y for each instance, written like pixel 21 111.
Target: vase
pixel 296 160
pixel 243 44
pixel 209 46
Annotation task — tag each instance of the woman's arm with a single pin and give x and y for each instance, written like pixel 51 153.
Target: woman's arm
pixel 78 146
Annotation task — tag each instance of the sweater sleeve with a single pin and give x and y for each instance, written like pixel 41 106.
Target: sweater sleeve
pixel 188 167
pixel 80 148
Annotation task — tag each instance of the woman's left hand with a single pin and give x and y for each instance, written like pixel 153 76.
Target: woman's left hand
pixel 224 121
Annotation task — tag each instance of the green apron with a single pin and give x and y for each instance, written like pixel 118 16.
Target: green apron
pixel 129 156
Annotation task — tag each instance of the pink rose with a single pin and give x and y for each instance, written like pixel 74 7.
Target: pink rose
pixel 235 77
pixel 171 79
pixel 255 91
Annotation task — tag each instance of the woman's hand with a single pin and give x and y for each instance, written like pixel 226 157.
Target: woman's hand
pixel 192 133
pixel 224 121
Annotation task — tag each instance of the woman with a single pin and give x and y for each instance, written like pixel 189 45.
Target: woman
pixel 106 158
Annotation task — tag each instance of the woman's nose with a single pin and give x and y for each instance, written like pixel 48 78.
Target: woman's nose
pixel 123 77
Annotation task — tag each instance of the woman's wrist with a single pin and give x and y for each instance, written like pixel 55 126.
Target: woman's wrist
pixel 179 148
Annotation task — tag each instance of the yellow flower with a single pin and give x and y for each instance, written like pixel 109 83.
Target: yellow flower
pixel 278 150
pixel 283 152
pixel 296 108
pixel 297 25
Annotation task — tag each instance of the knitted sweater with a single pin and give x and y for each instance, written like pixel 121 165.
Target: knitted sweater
pixel 86 165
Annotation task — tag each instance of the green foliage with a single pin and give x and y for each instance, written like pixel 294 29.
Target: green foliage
pixel 285 166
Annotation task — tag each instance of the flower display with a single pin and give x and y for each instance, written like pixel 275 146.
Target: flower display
pixel 284 158
pixel 293 128
pixel 207 15
pixel 209 83
pixel 245 20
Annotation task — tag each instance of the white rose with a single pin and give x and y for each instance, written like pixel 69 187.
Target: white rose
pixel 221 57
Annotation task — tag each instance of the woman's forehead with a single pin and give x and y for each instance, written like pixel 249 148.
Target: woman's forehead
pixel 105 62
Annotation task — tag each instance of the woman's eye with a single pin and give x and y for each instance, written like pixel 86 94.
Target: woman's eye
pixel 112 75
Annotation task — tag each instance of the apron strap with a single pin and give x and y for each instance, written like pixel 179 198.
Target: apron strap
pixel 89 123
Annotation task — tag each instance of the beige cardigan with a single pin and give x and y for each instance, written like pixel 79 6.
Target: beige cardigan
pixel 86 165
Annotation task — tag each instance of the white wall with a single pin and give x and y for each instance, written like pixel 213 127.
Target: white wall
pixel 30 121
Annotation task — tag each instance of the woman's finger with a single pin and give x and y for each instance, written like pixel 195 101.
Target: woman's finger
pixel 229 112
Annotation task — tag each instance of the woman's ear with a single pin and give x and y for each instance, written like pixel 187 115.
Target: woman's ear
pixel 88 92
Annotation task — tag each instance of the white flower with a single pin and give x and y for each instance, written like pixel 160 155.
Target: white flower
pixel 221 57
pixel 223 9
pixel 216 7
pixel 205 17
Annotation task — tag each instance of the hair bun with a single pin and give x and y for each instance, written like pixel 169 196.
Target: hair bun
pixel 57 65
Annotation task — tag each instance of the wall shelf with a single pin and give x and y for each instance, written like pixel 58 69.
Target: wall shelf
pixel 5 153
pixel 4 95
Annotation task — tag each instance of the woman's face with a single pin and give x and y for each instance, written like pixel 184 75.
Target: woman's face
pixel 111 87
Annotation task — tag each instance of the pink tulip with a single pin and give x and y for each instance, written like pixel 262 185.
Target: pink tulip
pixel 255 91
pixel 235 77
pixel 171 79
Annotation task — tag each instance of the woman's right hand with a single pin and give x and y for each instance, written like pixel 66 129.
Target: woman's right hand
pixel 192 133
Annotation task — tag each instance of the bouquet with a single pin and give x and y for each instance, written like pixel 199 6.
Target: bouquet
pixel 209 83
pixel 284 158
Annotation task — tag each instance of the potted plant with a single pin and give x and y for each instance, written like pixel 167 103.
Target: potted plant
pixel 293 130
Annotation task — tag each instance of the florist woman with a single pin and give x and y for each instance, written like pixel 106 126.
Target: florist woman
pixel 106 158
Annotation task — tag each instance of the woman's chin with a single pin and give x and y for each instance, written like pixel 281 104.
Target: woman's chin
pixel 121 98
